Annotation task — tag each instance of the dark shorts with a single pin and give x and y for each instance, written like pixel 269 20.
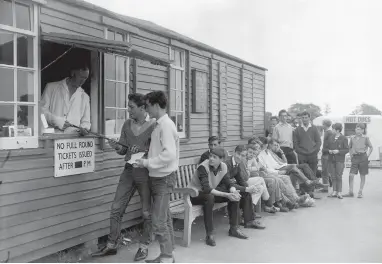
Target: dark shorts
pixel 359 163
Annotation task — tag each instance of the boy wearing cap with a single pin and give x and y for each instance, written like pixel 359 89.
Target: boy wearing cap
pixel 360 149
pixel 213 184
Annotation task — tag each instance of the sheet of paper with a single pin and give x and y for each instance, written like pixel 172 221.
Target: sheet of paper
pixel 135 156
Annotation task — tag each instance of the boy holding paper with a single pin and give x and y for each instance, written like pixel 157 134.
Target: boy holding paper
pixel 136 132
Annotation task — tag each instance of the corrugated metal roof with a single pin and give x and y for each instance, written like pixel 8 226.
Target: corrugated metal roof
pixel 154 28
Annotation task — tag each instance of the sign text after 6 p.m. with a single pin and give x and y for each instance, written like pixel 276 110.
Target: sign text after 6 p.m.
pixel 73 156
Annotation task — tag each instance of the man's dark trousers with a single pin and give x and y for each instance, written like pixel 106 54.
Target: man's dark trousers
pixel 131 179
pixel 290 155
pixel 208 201
pixel 246 205
pixel 311 160
pixel 161 188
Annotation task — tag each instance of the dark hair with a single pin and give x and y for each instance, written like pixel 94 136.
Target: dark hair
pixel 137 98
pixel 283 111
pixel 337 126
pixel 274 118
pixel 157 97
pixel 305 113
pixel 253 140
pixel 213 138
pixel 361 126
pixel 327 122
pixel 240 148
pixel 298 115
pixel 271 141
pixel 263 140
pixel 251 146
pixel 81 67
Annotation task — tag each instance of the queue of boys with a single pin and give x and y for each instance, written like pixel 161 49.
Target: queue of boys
pixel 279 171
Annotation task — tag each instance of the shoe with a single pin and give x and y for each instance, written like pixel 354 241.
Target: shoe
pixel 276 208
pixel 270 210
pixel 291 205
pixel 318 184
pixel 284 209
pixel 332 195
pixel 339 196
pixel 210 241
pixel 161 260
pixel 141 254
pixel 360 195
pixel 105 251
pixel 236 232
pixel 348 195
pixel 323 191
pixel 258 216
pixel 255 225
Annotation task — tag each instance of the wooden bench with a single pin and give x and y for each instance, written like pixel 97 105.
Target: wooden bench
pixel 180 203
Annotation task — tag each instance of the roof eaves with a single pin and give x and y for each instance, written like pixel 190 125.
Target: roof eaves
pixel 155 28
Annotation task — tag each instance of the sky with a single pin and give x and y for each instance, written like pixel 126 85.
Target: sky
pixel 316 51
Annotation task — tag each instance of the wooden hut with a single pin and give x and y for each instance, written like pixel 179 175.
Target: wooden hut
pixel 43 211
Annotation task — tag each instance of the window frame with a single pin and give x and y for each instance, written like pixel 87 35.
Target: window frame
pixel 126 38
pixel 18 142
pixel 182 69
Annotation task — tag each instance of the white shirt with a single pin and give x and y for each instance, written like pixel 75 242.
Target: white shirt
pixel 306 127
pixel 267 161
pixel 163 156
pixel 58 107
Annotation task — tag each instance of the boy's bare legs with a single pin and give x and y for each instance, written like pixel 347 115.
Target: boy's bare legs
pixel 351 186
pixel 362 184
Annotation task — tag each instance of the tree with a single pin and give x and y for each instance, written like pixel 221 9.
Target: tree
pixel 312 109
pixel 327 109
pixel 366 109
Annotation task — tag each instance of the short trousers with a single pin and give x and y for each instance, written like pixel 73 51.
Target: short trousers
pixel 359 163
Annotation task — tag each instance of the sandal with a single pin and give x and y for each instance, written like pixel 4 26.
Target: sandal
pixel 333 194
pixel 339 196
pixel 270 210
pixel 359 195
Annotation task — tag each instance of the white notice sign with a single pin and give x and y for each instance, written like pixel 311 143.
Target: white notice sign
pixel 73 156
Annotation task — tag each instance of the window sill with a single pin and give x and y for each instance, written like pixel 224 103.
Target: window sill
pixel 184 140
pixel 63 136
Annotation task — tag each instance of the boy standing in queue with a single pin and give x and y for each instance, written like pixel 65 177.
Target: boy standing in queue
pixel 162 162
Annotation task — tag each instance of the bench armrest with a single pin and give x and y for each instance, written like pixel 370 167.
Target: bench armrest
pixel 190 191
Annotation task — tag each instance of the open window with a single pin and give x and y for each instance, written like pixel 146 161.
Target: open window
pixel 60 53
pixel 18 75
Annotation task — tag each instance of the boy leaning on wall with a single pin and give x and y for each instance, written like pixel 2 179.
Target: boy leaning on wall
pixel 360 149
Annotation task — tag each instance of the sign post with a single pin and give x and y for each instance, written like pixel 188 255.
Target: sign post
pixel 73 156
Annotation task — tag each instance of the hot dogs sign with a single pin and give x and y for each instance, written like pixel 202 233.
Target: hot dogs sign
pixel 73 156
pixel 357 119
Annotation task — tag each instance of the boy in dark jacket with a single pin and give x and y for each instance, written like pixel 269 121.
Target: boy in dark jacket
pixel 336 147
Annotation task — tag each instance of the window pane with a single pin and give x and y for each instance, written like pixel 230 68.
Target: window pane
pixel 109 67
pixel 173 117
pixel 109 94
pixel 172 79
pixel 121 118
pixel 119 37
pixel 121 95
pixel 177 58
pixel 6 12
pixel 179 120
pixel 172 99
pixel 110 35
pixel 179 101
pixel 110 121
pixel 6 85
pixel 25 91
pixel 25 118
pixel 6 119
pixel 23 16
pixel 178 80
pixel 121 66
pixel 6 48
pixel 24 51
